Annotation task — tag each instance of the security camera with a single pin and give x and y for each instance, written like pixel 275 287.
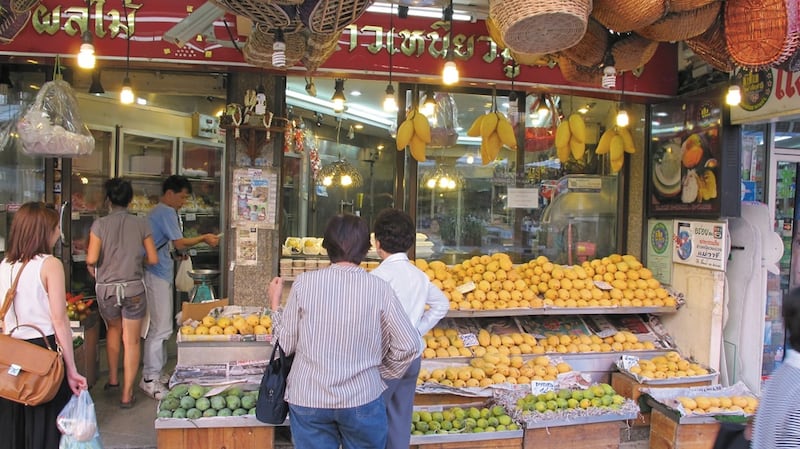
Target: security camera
pixel 198 22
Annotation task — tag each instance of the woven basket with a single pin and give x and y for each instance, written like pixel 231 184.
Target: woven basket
pixel 792 64
pixel 22 6
pixel 679 26
pixel 540 26
pixel 331 16
pixel 710 46
pixel 632 51
pixel 576 73
pixel 319 47
pixel 258 48
pixel 688 5
pixel 494 33
pixel 628 15
pixel 592 47
pixel 264 12
pixel 761 33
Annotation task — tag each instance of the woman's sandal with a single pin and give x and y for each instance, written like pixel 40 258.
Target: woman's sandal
pixel 110 386
pixel 128 404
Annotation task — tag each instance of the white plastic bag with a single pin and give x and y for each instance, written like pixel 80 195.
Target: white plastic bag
pixel 183 282
pixel 77 420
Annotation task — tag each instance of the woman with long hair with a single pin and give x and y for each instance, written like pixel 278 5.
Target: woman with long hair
pixel 40 301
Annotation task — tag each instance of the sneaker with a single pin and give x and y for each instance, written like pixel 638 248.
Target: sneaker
pixel 164 378
pixel 153 388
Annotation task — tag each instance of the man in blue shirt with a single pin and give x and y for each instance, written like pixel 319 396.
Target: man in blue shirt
pixel 159 279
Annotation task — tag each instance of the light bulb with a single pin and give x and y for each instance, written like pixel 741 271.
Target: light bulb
pixel 609 78
pixel 427 109
pixel 327 181
pixel 346 180
pixel 338 105
pixel 451 184
pixel 734 95
pixel 470 159
pixel 450 74
pixel 389 102
pixel 622 118
pixel 86 58
pixel 431 183
pixel 443 182
pixel 126 94
pixel 279 54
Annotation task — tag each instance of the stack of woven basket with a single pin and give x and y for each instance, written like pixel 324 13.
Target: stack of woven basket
pixel 310 28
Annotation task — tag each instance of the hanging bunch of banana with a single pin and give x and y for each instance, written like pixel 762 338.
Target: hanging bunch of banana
pixel 615 143
pixel 495 130
pixel 414 132
pixel 571 139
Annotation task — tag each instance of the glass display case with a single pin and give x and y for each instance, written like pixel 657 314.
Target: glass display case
pixel 201 160
pixel 146 159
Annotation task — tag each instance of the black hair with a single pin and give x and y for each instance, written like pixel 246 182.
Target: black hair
pixel 791 317
pixel 346 239
pixel 395 230
pixel 119 191
pixel 177 184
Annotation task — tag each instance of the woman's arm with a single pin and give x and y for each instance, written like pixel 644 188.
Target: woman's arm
pixel 151 253
pixel 93 253
pixel 52 276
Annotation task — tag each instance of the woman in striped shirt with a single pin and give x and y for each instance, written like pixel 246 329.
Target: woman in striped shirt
pixel 778 417
pixel 346 330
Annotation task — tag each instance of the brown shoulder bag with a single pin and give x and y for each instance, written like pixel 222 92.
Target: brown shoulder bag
pixel 29 373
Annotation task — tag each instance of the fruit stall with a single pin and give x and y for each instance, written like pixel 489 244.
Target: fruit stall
pixel 85 325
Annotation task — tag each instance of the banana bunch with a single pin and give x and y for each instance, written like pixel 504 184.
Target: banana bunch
pixel 414 132
pixel 571 138
pixel 495 130
pixel 616 143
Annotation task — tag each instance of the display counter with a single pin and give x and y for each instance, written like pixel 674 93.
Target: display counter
pixel 233 432
pixel 577 436
pixel 666 432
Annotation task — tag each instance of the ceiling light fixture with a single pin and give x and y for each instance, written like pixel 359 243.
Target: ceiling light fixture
pixel 622 115
pixel 609 78
pixel 542 110
pixel 279 50
pixel 338 96
pixel 86 57
pixel 734 95
pixel 96 88
pixel 126 94
pixel 450 73
pixel 443 178
pixel 339 173
pixel 389 101
pixel 429 105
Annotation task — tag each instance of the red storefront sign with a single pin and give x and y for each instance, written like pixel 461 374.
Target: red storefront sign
pixel 418 44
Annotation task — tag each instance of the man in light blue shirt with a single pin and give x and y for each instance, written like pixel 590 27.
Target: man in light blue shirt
pixel 395 233
pixel 159 278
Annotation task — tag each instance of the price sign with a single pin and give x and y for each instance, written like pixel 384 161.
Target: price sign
pixel 603 285
pixel 466 288
pixel 75 216
pixel 628 361
pixel 469 339
pixel 542 386
pixel 191 217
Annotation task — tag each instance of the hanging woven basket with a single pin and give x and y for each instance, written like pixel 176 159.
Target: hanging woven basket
pixel 592 47
pixel 680 26
pixel 266 13
pixel 540 26
pixel 257 50
pixel 576 73
pixel 761 33
pixel 319 47
pixel 331 16
pixel 688 5
pixel 711 47
pixel 23 6
pixel 632 51
pixel 628 15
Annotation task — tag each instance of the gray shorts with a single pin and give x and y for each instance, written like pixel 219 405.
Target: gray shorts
pixel 133 308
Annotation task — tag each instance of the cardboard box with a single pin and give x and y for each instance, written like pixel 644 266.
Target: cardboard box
pixel 196 311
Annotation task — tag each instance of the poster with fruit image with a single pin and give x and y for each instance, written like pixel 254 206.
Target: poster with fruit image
pixel 684 160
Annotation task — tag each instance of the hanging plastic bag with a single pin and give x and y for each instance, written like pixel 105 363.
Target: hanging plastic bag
pixel 52 126
pixel 184 282
pixel 78 424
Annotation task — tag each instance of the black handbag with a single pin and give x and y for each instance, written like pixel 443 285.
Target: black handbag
pixel 271 407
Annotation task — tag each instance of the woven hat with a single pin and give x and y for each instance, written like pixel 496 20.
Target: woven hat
pixel 679 26
pixel 628 15
pixel 257 50
pixel 576 73
pixel 331 16
pixel 710 46
pixel 632 51
pixel 591 49
pixel 540 26
pixel 319 47
pixel 761 33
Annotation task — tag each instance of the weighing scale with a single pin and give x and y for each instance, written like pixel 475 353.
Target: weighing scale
pixel 202 291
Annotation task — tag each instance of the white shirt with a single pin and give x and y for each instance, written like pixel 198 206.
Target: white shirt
pixel 415 291
pixel 777 422
pixel 31 305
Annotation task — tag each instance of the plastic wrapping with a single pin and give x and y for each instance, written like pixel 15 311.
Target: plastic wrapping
pixel 444 122
pixel 78 423
pixel 52 126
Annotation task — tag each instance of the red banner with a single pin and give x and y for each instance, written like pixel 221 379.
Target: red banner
pixel 418 44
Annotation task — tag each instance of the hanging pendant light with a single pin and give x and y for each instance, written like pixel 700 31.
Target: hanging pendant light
pixel 126 94
pixel 734 95
pixel 622 118
pixel 86 56
pixel 609 78
pixel 429 105
pixel 96 88
pixel 543 110
pixel 389 101
pixel 279 50
pixel 450 73
pixel 338 97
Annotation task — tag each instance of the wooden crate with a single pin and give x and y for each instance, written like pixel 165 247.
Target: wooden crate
pixel 450 400
pixel 505 443
pixel 667 433
pixel 216 438
pixel 627 386
pixel 580 436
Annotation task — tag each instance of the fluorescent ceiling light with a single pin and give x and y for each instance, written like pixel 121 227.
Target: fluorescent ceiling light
pixel 369 116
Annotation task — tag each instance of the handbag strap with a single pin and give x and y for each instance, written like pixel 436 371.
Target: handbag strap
pixel 11 293
pixel 284 362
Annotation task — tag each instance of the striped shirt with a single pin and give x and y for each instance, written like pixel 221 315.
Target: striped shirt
pixel 415 291
pixel 778 418
pixel 346 329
